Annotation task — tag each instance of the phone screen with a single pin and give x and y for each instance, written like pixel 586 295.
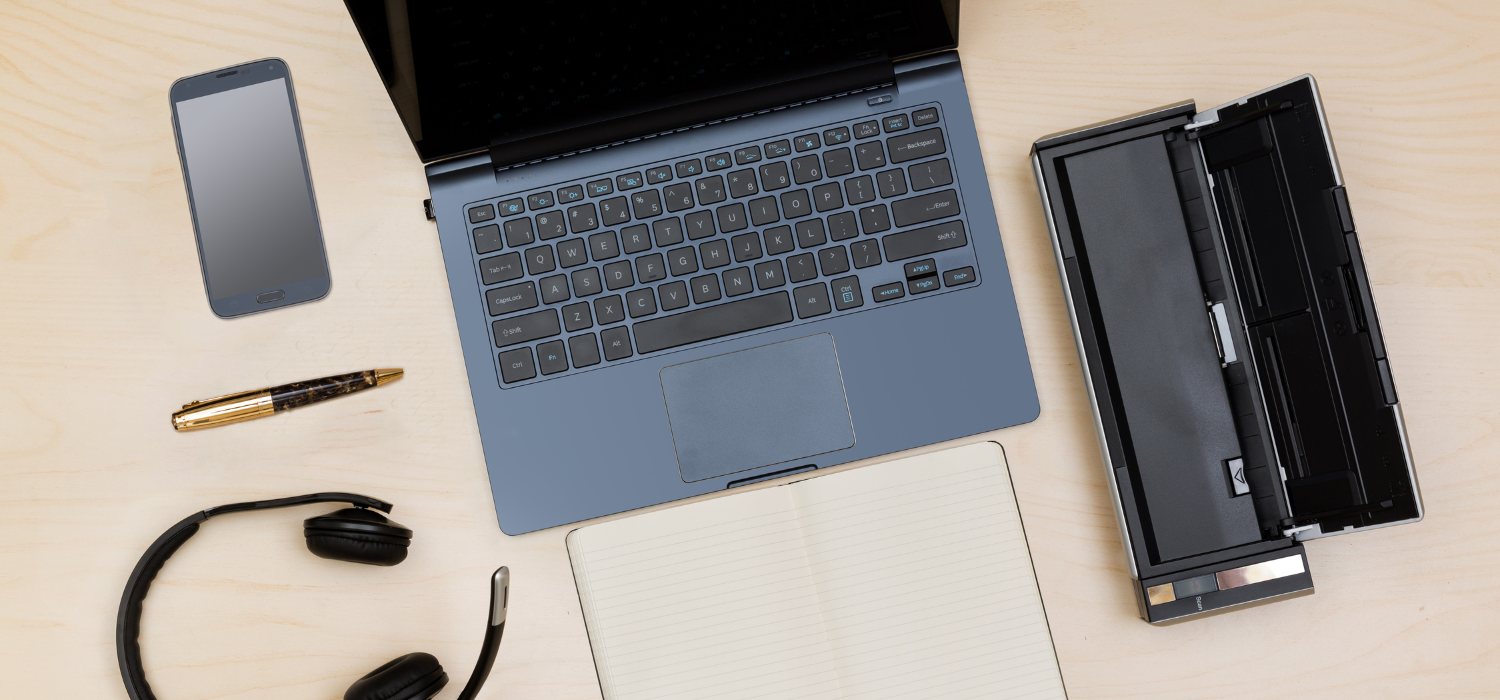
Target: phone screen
pixel 249 189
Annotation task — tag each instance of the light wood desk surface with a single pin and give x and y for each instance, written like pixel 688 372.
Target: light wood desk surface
pixel 104 330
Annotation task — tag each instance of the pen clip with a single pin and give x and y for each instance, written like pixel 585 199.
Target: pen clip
pixel 200 402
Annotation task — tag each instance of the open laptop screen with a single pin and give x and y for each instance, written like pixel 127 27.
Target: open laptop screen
pixel 465 75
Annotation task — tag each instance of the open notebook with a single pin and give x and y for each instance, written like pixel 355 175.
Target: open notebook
pixel 909 579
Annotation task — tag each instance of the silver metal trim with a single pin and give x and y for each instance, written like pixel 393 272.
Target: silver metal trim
pixel 1083 363
pixel 499 596
pixel 1226 341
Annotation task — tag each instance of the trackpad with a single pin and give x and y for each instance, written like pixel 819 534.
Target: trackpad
pixel 757 407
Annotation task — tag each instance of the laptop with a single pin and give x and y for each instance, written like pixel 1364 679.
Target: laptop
pixel 693 246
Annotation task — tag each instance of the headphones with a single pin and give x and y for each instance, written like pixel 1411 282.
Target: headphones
pixel 353 534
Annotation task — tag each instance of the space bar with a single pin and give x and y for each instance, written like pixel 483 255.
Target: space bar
pixel 712 322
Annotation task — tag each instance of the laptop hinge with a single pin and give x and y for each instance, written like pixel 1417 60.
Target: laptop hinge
pixel 575 138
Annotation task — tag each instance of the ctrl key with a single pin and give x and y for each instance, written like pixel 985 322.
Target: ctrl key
pixel 517 365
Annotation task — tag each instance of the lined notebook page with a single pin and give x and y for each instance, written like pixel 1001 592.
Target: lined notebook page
pixel 925 581
pixel 909 579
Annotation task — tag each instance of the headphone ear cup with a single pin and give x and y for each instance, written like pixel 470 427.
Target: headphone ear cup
pixel 357 535
pixel 416 676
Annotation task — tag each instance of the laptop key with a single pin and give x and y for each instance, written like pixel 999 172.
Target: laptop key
pixel 650 268
pixel 731 217
pixel 699 224
pixel 806 169
pixel 746 247
pixel 550 225
pixel 763 211
pixel 682 261
pixel 860 189
pixel 526 328
pixel 846 293
pixel 610 309
pixel 837 162
pixel 577 317
pixel 920 268
pixel 616 343
pixel 827 197
pixel 586 282
pixel 923 117
pixel 554 289
pixel 742 183
pixel 746 155
pixel 603 246
pixel 551 357
pixel 742 315
pixel 925 241
pixel 646 204
pixel 540 200
pixel 618 275
pixel 487 239
pixel 705 288
pixel 925 207
pixel 572 252
pixel 482 213
pixel 892 183
pixel 925 176
pixel 656 176
pixel 778 240
pixel 917 144
pixel 511 207
pixel 501 268
pixel 812 300
pixel 599 188
pixel 518 232
pixel 842 226
pixel 874 219
pixel 923 284
pixel 711 190
pixel 582 218
pixel 568 195
pixel 864 130
pixel 689 168
pixel 870 155
pixel 634 239
pixel 801 268
pixel 640 302
pixel 718 161
pixel 738 282
pixel 714 254
pixel 836 135
pixel 678 196
pixel 810 233
pixel 584 349
pixel 667 231
pixel 806 142
pixel 629 181
pixel 887 292
pixel 865 253
pixel 776 149
pixel 614 211
pixel 674 295
pixel 768 274
pixel 795 204
pixel 895 122
pixel 517 365
pixel 540 260
pixel 773 176
pixel 508 300
pixel 833 261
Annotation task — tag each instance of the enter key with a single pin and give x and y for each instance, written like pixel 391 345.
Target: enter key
pixel 926 207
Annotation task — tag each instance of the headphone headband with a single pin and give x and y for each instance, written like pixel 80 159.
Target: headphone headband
pixel 128 623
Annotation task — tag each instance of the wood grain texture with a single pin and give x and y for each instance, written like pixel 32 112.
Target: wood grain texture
pixel 104 331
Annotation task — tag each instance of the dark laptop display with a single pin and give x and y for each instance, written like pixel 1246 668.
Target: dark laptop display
pixel 694 246
pixel 466 75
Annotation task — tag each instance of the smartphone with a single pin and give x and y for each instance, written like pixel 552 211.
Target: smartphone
pixel 249 190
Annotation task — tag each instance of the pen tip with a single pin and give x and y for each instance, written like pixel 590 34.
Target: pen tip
pixel 383 376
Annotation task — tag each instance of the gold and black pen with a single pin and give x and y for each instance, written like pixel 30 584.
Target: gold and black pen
pixel 259 403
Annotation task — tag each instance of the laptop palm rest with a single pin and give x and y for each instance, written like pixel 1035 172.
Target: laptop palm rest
pixel 757 407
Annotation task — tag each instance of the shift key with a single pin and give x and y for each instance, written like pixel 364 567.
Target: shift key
pixel 523 329
pixel 917 144
pixel 925 241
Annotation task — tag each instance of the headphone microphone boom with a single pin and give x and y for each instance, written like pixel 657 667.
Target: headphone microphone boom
pixel 353 534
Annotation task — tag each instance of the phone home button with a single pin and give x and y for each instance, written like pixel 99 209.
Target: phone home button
pixel 277 295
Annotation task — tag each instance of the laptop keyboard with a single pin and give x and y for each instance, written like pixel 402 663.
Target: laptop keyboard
pixel 792 228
